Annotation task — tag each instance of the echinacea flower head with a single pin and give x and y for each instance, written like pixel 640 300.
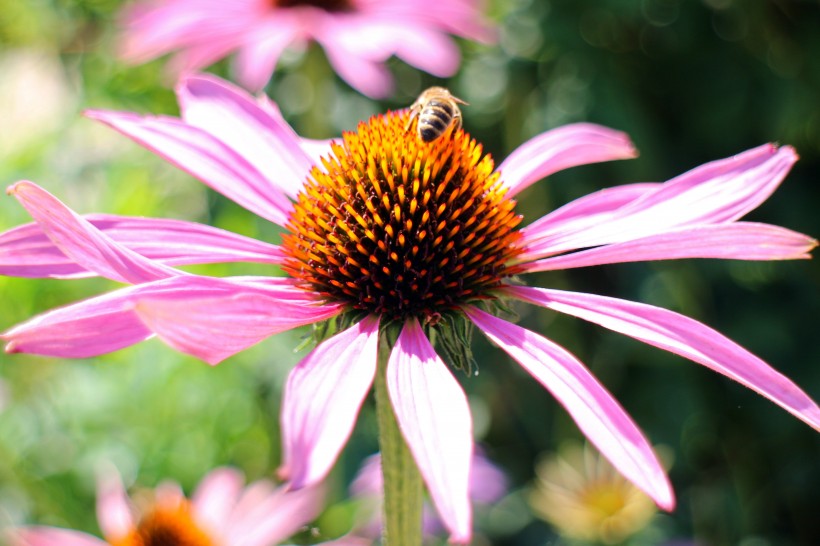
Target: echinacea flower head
pixel 408 240
pixel 584 497
pixel 222 511
pixel 358 36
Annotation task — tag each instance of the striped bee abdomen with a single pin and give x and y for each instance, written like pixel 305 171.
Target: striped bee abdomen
pixel 434 119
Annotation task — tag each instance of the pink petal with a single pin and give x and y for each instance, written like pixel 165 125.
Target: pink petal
pixel 369 77
pixel 257 58
pixel 215 497
pixel 562 148
pixel 322 400
pixel 92 327
pixel 419 44
pixel 277 517
pixel 599 416
pixel 736 241
pixel 237 120
pixel 26 251
pixel 200 154
pixel 113 506
pixel 50 536
pixel 715 193
pixel 108 323
pixel 583 213
pixel 82 242
pixel 433 415
pixel 680 335
pixel 214 327
pixel 152 29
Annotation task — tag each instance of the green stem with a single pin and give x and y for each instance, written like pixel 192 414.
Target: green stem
pixel 402 481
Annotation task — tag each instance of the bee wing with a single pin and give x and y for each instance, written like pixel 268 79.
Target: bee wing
pixel 415 108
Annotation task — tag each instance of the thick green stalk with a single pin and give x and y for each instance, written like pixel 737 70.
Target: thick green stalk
pixel 402 481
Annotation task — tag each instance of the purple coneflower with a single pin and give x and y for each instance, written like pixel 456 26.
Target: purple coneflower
pixel 221 511
pixel 358 36
pixel 404 239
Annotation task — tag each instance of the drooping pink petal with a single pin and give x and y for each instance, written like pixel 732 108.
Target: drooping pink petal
pixel 718 192
pixel 214 327
pixel 202 155
pixel 92 327
pixel 735 241
pixel 50 536
pixel 322 399
pixel 238 121
pixel 82 242
pixel 562 148
pixel 113 511
pixel 215 497
pixel 434 418
pixel 681 335
pixel 599 416
pixel 277 517
pixel 107 323
pixel 25 251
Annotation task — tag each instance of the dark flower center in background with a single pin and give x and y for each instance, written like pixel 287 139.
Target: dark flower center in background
pixel 167 526
pixel 395 226
pixel 327 5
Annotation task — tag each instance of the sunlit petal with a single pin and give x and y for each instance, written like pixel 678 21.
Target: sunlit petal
pixel 433 415
pixel 681 335
pixel 736 241
pixel 594 410
pixel 214 327
pixel 202 155
pixel 83 243
pixel 237 120
pixel 322 400
pixel 26 251
pixel 562 148
pixel 718 192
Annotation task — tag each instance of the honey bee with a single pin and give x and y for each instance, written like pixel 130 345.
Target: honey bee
pixel 436 110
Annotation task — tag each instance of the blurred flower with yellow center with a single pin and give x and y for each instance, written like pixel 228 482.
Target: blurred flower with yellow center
pixel 585 498
pixel 221 512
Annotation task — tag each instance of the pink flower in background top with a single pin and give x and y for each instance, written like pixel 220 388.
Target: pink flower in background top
pixel 358 36
pixel 221 512
pixel 417 238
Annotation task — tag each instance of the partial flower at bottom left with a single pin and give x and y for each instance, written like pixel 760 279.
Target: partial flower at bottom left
pixel 222 511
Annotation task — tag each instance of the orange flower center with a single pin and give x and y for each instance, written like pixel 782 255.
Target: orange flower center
pixel 395 226
pixel 166 526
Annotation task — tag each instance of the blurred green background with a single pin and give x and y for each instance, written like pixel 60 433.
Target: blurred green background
pixel 690 81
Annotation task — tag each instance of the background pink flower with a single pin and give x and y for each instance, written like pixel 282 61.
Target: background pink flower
pixel 488 485
pixel 221 511
pixel 358 36
pixel 242 148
